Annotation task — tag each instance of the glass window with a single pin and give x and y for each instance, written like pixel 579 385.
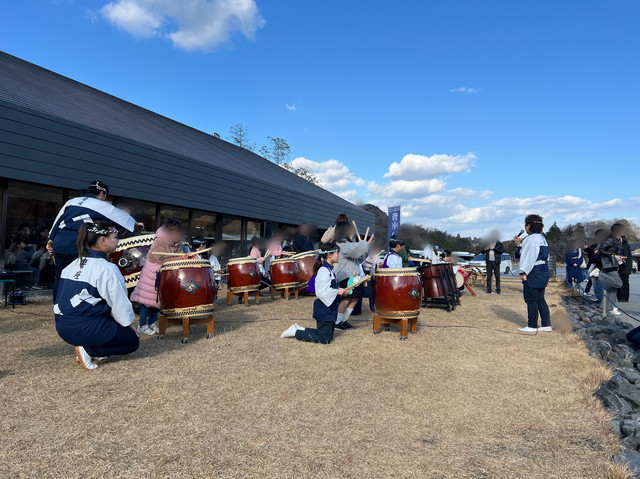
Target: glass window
pixel 231 235
pixel 142 211
pixel 176 213
pixel 31 211
pixel 203 224
pixel 253 229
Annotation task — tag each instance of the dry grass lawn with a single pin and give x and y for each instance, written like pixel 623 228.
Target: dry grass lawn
pixel 451 402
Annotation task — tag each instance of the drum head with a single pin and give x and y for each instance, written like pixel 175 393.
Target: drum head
pixel 459 280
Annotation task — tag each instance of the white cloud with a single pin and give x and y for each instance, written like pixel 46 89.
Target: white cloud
pixel 130 16
pixel 406 188
pixel 420 166
pixel 334 175
pixel 189 24
pixel 464 89
pixel 292 107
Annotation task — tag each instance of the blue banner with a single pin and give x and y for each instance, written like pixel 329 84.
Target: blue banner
pixel 394 221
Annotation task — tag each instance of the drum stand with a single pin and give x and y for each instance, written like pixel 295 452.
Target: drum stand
pixel 406 325
pixel 285 292
pixel 243 297
pixel 186 323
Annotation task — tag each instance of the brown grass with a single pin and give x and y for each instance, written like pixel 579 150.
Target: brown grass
pixel 475 401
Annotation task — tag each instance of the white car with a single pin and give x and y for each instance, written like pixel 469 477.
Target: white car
pixel 505 262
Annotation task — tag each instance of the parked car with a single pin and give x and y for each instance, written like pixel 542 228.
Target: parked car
pixel 505 262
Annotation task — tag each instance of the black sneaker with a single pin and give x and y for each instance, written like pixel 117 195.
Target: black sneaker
pixel 497 292
pixel 348 325
pixel 341 326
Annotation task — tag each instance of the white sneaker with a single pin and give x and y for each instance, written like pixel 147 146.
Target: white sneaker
pixel 527 329
pixel 146 330
pixel 545 329
pixel 290 333
pixel 299 327
pixel 155 327
pixel 84 359
pixel 616 312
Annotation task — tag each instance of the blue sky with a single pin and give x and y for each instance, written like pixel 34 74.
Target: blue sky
pixel 529 106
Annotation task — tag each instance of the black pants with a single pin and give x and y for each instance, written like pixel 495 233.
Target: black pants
pixel 623 291
pixel 536 304
pixel 62 261
pixel 323 333
pixel 493 268
pixel 633 337
pixel 125 341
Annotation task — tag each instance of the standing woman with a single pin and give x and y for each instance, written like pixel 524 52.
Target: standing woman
pixel 352 254
pixel 92 311
pixel 534 271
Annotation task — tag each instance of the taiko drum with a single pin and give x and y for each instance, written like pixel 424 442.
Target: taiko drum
pixel 130 257
pixel 432 281
pixel 187 288
pixel 284 273
pixel 397 292
pixel 305 263
pixel 243 275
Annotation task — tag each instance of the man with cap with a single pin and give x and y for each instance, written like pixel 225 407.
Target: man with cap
pixel 392 258
pixel 89 208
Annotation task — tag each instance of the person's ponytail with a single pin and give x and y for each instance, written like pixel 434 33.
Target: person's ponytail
pixel 81 242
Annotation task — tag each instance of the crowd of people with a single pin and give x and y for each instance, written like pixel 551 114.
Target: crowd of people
pixel 94 313
pixel 605 265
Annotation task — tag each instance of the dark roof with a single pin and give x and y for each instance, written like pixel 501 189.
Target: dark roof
pixel 27 89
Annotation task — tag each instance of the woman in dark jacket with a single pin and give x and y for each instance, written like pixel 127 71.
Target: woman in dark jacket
pixel 625 270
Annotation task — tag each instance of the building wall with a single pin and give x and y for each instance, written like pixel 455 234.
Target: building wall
pixel 40 148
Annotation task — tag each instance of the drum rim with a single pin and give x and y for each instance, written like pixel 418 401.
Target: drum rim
pixel 199 310
pixel 245 260
pixel 186 263
pixel 397 272
pixel 283 260
pixel 125 243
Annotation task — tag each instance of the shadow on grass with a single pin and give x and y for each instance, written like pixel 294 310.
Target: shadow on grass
pixel 509 314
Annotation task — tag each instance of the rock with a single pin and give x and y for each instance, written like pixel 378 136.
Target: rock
pixel 630 374
pixel 620 335
pixel 630 457
pixel 614 404
pixel 624 389
pixel 629 426
pixel 616 426
pixel 599 349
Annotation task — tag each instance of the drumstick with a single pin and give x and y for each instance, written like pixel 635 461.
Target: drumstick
pixel 190 253
pixel 356 227
pixel 366 233
pixel 419 260
pixel 358 283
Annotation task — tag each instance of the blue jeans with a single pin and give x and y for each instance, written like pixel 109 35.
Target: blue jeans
pixel 597 289
pixel 148 315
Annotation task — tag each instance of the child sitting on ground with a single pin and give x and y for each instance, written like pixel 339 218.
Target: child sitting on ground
pixel 325 307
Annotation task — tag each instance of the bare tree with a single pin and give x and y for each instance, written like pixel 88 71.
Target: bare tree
pixel 240 136
pixel 279 151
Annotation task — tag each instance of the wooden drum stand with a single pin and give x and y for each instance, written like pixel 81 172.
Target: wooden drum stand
pixel 243 296
pixel 285 291
pixel 186 323
pixel 409 323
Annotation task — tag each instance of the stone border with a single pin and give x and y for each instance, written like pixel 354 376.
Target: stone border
pixel 605 339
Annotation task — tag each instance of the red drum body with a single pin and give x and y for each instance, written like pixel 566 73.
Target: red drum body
pixel 243 275
pixel 397 292
pixel 434 287
pixel 305 263
pixel 130 257
pixel 187 288
pixel 284 273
